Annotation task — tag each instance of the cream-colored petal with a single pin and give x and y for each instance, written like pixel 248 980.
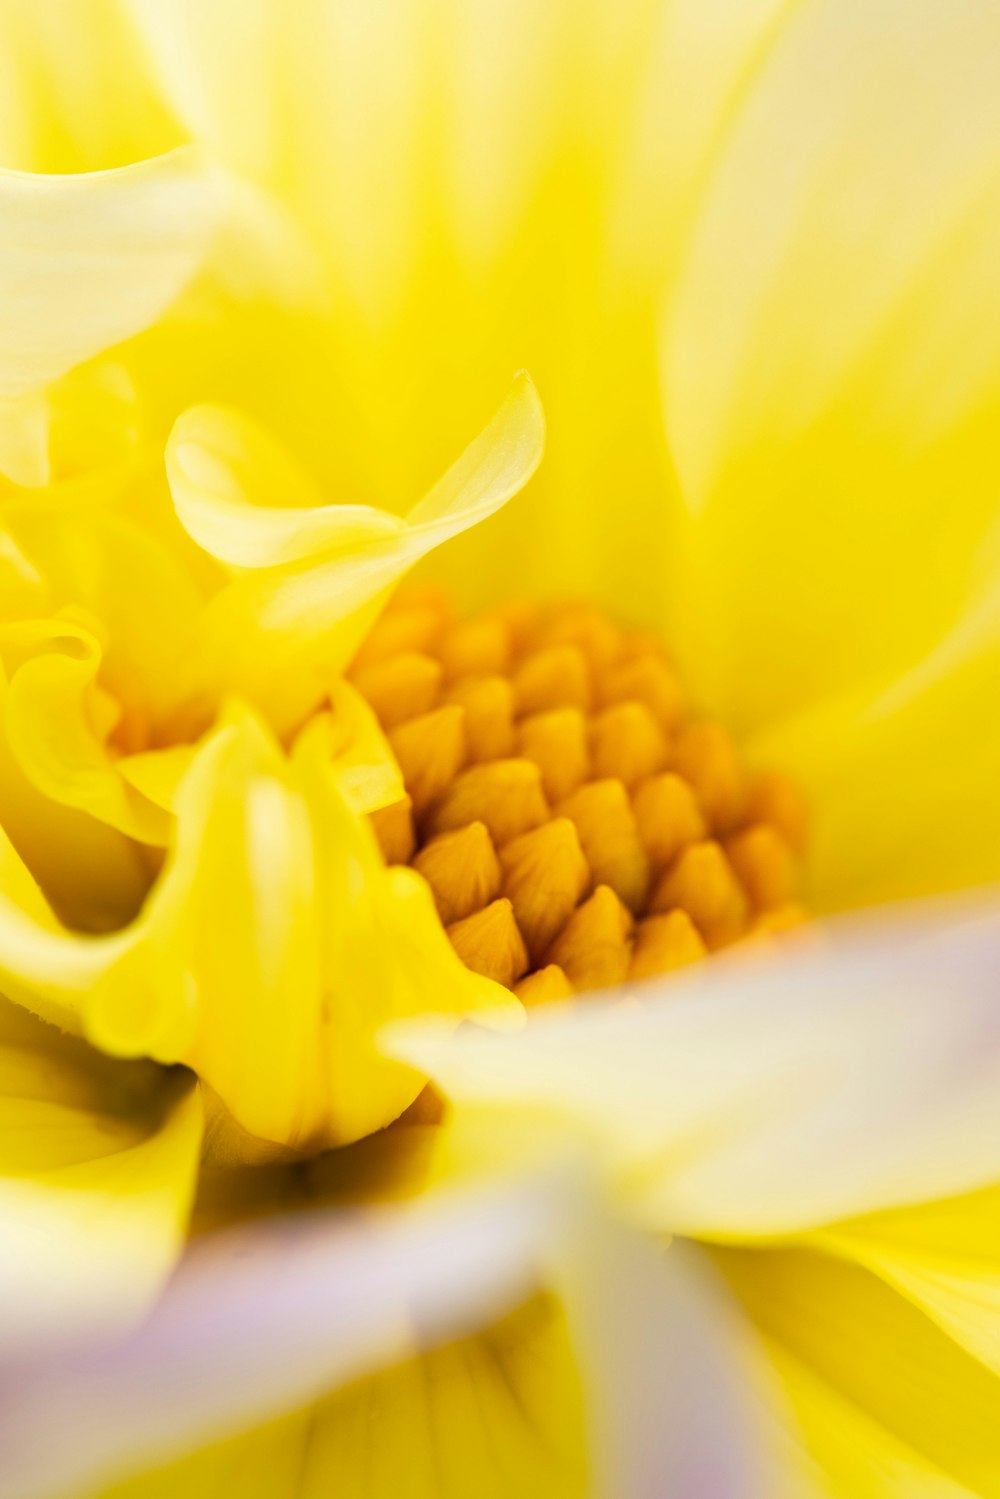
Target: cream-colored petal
pixel 277 634
pixel 832 370
pixel 97 1169
pixel 119 246
pixel 886 1403
pixel 773 1093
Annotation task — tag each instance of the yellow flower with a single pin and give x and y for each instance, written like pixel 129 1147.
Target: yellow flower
pixel 265 275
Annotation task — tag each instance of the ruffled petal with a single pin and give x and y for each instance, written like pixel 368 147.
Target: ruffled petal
pixel 50 725
pixel 764 1096
pixel 98 1161
pixel 278 633
pixel 886 1402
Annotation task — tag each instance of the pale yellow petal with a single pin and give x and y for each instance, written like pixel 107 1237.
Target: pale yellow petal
pixel 888 1403
pixel 278 634
pixel 765 1095
pixel 832 370
pixel 119 246
pixel 97 1169
pixel 243 499
pixel 77 94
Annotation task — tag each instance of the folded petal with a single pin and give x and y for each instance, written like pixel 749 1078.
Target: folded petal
pixel 767 1095
pixel 97 1168
pixel 886 1402
pixel 50 725
pixel 279 632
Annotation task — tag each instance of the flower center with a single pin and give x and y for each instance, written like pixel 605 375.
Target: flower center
pixel 577 825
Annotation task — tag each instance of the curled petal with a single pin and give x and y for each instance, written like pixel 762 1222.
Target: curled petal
pixel 278 633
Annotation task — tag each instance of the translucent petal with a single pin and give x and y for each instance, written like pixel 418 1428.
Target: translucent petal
pixel 451 1347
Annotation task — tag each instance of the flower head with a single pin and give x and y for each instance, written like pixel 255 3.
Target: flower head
pixel 295 870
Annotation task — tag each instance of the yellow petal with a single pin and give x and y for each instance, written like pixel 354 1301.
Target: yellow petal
pixel 928 738
pixel 765 1096
pixel 119 246
pixel 924 1410
pixel 278 633
pixel 50 727
pixel 78 95
pixel 832 401
pixel 941 1255
pixel 97 1168
pixel 228 478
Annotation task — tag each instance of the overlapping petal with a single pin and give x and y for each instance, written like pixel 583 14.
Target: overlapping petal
pixel 887 1403
pixel 119 246
pixel 498 1332
pixel 98 1161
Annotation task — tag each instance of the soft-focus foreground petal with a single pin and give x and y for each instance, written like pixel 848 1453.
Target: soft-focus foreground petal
pixel 98 1161
pixel 119 246
pixel 772 1093
pixel 832 400
pixel 886 1403
pixel 494 1341
pixel 317 574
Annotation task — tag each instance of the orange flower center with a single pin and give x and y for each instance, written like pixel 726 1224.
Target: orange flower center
pixel 576 823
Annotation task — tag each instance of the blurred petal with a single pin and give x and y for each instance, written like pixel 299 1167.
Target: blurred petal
pixel 475 1332
pixel 927 738
pixel 763 1096
pixel 77 94
pixel 882 1390
pixel 119 246
pixel 278 633
pixel 832 400
pixel 97 1168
